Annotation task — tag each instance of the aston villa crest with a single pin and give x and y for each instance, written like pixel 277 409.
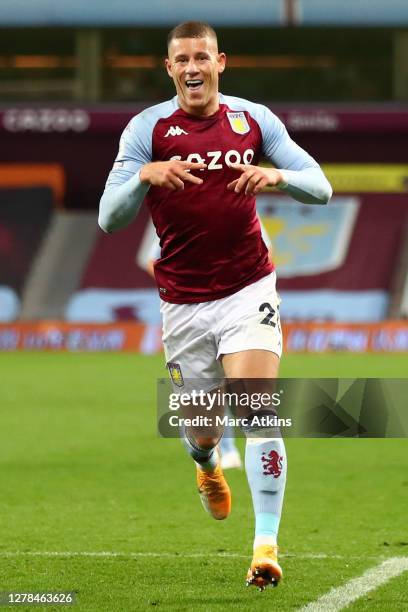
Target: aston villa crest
pixel 175 373
pixel 238 122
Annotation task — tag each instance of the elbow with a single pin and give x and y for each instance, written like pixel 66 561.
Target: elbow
pixel 323 190
pixel 327 194
pixel 105 222
pixel 104 227
pixel 106 217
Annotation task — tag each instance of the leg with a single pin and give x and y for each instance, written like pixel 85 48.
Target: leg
pixel 255 363
pixel 213 489
pixel 235 364
pixel 191 352
pixel 230 457
pixel 265 464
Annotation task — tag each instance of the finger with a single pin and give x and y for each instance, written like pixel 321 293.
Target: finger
pixel 231 186
pixel 261 185
pixel 190 178
pixel 168 185
pixel 175 183
pixel 193 165
pixel 243 180
pixel 252 183
pixel 238 167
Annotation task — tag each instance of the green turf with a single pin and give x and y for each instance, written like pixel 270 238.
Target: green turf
pixel 82 470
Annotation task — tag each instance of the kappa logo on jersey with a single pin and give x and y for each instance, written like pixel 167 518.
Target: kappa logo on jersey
pixel 175 373
pixel 175 130
pixel 272 464
pixel 238 122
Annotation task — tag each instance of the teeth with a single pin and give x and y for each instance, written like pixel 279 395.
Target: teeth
pixel 193 83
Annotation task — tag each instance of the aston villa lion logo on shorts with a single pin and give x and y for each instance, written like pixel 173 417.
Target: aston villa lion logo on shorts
pixel 238 123
pixel 175 373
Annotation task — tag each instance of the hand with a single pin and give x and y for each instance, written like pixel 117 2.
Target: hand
pixel 170 174
pixel 254 178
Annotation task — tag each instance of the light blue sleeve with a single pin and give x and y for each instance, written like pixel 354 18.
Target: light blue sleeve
pixel 124 192
pixel 304 179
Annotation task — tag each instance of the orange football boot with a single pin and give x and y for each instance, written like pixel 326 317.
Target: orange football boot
pixel 214 492
pixel 265 568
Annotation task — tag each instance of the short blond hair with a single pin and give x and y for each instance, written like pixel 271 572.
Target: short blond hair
pixel 192 29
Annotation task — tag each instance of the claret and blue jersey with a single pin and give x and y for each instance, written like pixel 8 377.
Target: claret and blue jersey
pixel 210 238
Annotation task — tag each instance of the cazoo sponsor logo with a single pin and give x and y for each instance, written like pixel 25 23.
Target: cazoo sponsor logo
pixel 216 160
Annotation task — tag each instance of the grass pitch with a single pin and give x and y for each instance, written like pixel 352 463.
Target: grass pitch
pixel 92 501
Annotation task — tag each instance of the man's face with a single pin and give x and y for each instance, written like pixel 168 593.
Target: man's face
pixel 194 64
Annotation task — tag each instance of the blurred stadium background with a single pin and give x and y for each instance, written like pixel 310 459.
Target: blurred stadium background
pixel 70 79
pixel 91 499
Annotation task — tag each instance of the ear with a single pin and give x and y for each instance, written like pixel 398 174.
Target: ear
pixel 221 59
pixel 167 63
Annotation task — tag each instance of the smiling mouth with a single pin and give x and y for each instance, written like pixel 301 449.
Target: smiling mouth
pixel 194 84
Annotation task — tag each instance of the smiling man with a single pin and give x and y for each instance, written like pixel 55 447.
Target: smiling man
pixel 194 64
pixel 194 161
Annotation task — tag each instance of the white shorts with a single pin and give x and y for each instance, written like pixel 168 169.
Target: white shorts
pixel 195 336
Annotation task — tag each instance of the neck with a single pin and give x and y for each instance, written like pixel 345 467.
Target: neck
pixel 201 111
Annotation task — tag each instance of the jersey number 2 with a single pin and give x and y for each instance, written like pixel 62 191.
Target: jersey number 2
pixel 267 320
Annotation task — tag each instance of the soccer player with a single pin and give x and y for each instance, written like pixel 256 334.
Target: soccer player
pixel 229 453
pixel 194 161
